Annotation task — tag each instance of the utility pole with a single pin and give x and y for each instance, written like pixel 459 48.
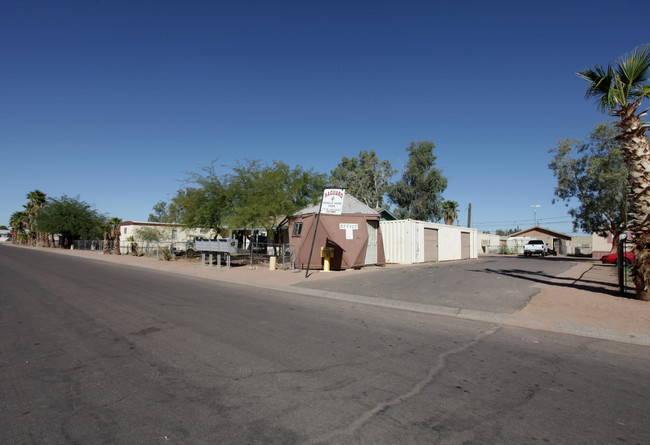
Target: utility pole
pixel 469 215
pixel 535 206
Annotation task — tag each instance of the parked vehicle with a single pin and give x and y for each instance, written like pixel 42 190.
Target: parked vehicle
pixel 628 258
pixel 535 247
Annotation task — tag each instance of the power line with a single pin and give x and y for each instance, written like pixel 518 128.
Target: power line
pixel 515 221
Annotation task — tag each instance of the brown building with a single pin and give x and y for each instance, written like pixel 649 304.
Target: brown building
pixel 355 236
pixel 555 240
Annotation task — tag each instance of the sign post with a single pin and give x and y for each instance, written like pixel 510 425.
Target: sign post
pixel 330 204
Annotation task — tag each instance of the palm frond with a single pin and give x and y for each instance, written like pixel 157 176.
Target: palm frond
pixel 600 84
pixel 634 68
pixel 643 92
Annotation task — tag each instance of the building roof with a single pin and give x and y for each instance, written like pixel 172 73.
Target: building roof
pixel 386 215
pixel 543 230
pixel 351 206
pixel 141 223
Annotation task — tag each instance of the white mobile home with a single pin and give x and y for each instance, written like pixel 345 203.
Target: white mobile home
pixel 409 241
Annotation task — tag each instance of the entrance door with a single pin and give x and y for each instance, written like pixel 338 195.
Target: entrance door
pixel 430 244
pixel 464 245
pixel 371 249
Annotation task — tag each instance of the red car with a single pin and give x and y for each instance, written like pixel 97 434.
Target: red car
pixel 628 258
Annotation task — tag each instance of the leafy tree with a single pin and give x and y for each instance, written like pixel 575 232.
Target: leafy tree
pixel 261 193
pixel 366 177
pixel 418 194
pixel 507 232
pixel 149 234
pixel 204 202
pixel 164 212
pixel 252 194
pixel 620 90
pixel 449 211
pixel 594 173
pixel 71 219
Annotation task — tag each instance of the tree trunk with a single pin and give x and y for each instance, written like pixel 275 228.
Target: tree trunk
pixel 106 246
pixel 116 242
pixel 636 152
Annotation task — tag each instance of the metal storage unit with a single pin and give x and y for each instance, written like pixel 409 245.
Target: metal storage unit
pixel 409 241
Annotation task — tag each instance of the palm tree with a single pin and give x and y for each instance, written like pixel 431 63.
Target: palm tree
pixel 115 223
pixel 449 211
pixel 35 203
pixel 18 222
pixel 107 229
pixel 621 90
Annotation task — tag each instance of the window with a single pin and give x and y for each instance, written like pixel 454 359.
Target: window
pixel 297 228
pixel 125 230
pixel 174 234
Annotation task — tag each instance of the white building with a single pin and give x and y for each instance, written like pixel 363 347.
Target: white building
pixel 409 241
pixel 175 234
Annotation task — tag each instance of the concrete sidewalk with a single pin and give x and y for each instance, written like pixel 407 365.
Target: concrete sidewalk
pixel 582 301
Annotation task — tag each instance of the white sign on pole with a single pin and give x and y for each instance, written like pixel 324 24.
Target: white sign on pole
pixel 332 201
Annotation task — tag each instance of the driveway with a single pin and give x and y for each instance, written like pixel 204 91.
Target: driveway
pixel 491 284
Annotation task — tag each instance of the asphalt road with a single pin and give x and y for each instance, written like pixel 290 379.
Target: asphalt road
pixel 92 352
pixel 501 284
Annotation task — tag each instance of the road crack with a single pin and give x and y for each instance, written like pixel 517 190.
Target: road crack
pixel 415 390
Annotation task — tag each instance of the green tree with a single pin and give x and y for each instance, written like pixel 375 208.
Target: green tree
pixel 203 202
pixel 620 90
pixel 35 202
pixel 70 218
pixel 366 177
pixel 507 232
pixel 149 234
pixel 18 223
pixel 449 211
pixel 418 193
pixel 594 173
pixel 164 212
pixel 251 194
pixel 262 193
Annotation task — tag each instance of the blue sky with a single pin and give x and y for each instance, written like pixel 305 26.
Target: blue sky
pixel 115 101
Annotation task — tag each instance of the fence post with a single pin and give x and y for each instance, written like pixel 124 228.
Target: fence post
pixel 620 260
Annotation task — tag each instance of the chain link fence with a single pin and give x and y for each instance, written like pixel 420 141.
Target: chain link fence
pixel 247 253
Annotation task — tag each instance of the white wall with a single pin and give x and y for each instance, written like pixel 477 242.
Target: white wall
pixel 516 244
pixel 404 241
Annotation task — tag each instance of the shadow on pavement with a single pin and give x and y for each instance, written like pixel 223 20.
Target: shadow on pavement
pixel 606 287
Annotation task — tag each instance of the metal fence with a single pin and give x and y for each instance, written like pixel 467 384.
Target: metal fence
pixel 245 252
pixel 92 245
